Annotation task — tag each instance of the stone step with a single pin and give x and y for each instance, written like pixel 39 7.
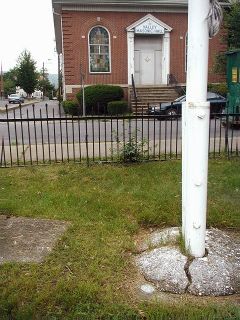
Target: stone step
pixel 156 98
pixel 151 95
pixel 141 94
pixel 147 93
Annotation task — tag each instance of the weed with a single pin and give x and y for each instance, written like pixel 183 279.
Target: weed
pixel 133 151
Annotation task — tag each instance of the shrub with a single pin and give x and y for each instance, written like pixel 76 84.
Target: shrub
pixel 219 88
pixel 117 107
pixel 98 96
pixel 71 107
pixel 133 151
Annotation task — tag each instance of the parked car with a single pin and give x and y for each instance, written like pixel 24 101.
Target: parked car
pixel 217 105
pixel 15 98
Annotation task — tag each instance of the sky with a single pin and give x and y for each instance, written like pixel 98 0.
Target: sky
pixel 27 24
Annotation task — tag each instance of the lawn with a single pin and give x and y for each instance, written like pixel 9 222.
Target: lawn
pixel 88 273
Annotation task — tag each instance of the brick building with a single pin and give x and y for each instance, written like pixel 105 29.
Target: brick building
pixel 109 41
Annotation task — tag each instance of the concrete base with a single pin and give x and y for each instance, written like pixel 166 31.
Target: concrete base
pixel 166 269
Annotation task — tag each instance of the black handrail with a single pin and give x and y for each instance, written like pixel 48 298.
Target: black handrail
pixel 173 82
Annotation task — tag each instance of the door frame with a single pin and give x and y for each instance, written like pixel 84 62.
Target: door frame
pixel 142 48
pixel 165 47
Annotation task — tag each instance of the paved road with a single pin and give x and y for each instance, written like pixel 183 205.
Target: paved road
pixel 30 110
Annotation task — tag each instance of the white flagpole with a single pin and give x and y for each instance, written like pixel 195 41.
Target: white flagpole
pixel 196 130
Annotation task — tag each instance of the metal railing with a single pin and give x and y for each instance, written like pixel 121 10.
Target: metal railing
pixel 173 82
pixel 37 135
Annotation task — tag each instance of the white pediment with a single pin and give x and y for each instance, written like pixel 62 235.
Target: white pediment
pixel 149 25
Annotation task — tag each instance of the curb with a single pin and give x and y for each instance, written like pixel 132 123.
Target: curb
pixel 10 107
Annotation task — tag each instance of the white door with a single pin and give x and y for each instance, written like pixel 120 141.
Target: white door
pixel 148 60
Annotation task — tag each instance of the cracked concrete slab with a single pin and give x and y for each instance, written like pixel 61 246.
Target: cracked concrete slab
pixel 220 267
pixel 168 270
pixel 165 268
pixel 28 239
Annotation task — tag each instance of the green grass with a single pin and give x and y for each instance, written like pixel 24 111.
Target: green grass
pixel 85 276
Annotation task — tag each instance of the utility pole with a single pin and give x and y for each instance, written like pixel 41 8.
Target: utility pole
pixel 2 84
pixel 196 130
pixel 43 80
pixel 83 91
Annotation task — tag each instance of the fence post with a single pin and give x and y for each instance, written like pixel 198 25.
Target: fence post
pixel 226 132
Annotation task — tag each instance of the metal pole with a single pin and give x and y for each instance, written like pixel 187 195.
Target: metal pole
pixel 196 130
pixel 83 92
pixel 2 83
pixel 83 97
pixel 43 81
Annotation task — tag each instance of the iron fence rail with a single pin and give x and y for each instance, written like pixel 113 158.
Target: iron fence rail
pixel 35 136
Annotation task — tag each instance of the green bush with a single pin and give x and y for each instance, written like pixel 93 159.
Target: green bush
pixel 98 96
pixel 219 88
pixel 133 151
pixel 71 107
pixel 117 107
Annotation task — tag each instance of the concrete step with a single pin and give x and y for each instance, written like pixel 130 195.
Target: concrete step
pixel 151 95
pixel 160 98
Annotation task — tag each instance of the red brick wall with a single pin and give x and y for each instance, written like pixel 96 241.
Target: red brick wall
pixel 76 26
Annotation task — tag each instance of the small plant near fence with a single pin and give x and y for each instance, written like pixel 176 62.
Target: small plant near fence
pixel 131 150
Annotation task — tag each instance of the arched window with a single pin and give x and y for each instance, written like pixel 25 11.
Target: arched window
pixel 99 50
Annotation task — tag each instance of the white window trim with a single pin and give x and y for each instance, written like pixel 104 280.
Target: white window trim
pixel 110 56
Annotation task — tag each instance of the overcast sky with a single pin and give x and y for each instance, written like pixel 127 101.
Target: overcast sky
pixel 27 24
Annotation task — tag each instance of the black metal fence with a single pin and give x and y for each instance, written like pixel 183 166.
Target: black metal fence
pixel 37 134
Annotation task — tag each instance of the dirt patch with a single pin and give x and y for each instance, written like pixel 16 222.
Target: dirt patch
pixel 27 239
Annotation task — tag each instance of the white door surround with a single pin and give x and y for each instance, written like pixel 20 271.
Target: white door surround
pixel 149 27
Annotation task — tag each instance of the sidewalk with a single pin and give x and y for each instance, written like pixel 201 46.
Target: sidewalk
pixel 15 106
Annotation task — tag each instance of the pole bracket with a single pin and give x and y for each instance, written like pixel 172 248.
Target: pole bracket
pixel 202 104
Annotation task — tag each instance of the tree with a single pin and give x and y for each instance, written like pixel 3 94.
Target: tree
pixel 45 86
pixel 27 75
pixel 232 24
pixel 231 36
pixel 10 81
